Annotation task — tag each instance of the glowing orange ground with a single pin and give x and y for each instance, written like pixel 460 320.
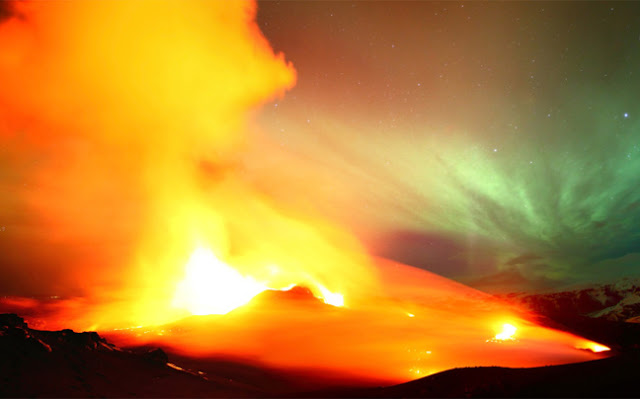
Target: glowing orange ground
pixel 418 324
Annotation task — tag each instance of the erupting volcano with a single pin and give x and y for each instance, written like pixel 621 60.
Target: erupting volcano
pixel 126 129
pixel 212 287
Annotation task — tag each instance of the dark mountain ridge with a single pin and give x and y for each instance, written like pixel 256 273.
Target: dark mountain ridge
pixel 64 363
pixel 616 301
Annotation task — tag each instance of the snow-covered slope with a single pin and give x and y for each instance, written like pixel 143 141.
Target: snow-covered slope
pixel 618 301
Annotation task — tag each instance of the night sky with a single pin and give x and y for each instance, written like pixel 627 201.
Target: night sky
pixel 495 143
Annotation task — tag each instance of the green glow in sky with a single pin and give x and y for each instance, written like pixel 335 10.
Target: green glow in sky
pixel 496 143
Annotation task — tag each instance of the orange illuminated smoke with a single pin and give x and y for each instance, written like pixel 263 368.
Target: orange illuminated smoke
pixel 136 116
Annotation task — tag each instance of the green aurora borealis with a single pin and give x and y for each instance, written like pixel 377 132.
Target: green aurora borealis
pixel 495 143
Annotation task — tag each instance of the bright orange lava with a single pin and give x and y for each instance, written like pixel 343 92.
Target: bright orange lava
pixel 506 334
pixel 593 347
pixel 373 338
pixel 213 287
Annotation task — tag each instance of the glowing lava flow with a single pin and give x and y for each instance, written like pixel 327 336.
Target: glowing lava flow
pixel 447 327
pixel 331 298
pixel 213 287
pixel 593 347
pixel 507 333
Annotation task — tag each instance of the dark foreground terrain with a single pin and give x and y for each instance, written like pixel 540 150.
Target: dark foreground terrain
pixel 37 363
pixel 63 363
pixel 615 377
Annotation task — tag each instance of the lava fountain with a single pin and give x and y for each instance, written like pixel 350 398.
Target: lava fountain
pixel 125 122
